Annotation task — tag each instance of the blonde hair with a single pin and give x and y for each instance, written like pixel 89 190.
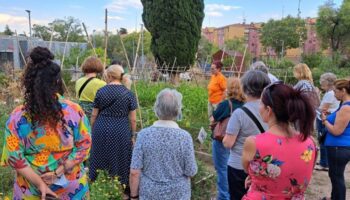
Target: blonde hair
pixel 116 72
pixel 234 89
pixel 302 72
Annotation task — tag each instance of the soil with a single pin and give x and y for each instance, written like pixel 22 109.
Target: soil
pixel 321 185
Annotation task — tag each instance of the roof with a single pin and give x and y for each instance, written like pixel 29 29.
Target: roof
pixel 230 53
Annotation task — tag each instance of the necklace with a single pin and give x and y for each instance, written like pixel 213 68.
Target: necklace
pixel 114 83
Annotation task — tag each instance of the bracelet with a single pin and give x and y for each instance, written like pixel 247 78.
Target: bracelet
pixel 134 197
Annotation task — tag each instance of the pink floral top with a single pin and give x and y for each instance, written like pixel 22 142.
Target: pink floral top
pixel 281 169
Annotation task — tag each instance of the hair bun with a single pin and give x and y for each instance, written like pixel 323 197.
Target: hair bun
pixel 41 55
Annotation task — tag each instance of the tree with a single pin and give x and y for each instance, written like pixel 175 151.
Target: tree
pixel 333 26
pixel 115 50
pixel 42 31
pixel 237 44
pixel 8 31
pixel 123 31
pixel 283 34
pixel 205 50
pixel 61 27
pixel 175 27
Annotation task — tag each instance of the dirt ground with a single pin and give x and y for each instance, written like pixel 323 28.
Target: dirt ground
pixel 321 185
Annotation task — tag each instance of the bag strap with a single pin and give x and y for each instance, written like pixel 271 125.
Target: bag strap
pixel 231 107
pixel 252 116
pixel 84 85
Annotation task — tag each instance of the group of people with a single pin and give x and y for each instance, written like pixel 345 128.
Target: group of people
pixel 262 144
pixel 267 151
pixel 49 139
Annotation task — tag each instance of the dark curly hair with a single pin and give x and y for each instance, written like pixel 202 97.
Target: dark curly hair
pixel 42 81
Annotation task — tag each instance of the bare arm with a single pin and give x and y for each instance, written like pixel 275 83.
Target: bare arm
pixel 93 116
pixel 229 141
pixel 134 182
pixel 249 150
pixel 132 119
pixel 341 121
pixel 29 174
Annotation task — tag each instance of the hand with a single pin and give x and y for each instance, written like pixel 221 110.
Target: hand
pixel 44 190
pixel 323 117
pixel 211 119
pixel 68 166
pixel 49 178
pixel 248 182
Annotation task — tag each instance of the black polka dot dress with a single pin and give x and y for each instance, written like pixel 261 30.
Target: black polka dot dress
pixel 111 135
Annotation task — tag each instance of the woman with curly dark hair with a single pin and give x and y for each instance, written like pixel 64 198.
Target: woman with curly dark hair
pixel 47 138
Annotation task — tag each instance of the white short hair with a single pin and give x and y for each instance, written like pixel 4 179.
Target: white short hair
pixel 168 104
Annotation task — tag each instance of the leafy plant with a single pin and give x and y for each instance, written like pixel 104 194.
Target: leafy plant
pixel 6 173
pixel 203 183
pixel 106 187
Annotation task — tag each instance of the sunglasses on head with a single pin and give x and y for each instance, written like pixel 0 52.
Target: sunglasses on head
pixel 268 90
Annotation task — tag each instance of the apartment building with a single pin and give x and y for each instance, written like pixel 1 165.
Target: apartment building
pixel 251 34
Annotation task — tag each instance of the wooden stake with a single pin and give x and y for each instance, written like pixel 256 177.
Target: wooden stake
pixel 136 54
pixel 63 57
pixel 89 39
pixel 134 84
pixel 106 38
pixel 125 53
pixel 240 70
pixel 20 49
pixel 51 37
pixel 222 55
pixel 233 63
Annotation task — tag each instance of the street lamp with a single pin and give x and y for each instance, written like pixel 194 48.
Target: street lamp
pixel 30 24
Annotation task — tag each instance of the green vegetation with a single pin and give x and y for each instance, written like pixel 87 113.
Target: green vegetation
pixel 333 26
pixel 175 27
pixel 106 187
pixel 60 29
pixel 283 34
pixel 6 173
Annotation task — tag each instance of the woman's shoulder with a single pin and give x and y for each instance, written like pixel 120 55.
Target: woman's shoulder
pixel 98 81
pixel 17 112
pixel 68 104
pixel 237 102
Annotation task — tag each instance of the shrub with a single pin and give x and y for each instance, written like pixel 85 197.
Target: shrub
pixel 106 187
pixel 6 173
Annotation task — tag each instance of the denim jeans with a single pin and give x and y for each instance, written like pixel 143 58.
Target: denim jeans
pixel 321 129
pixel 236 179
pixel 338 158
pixel 220 158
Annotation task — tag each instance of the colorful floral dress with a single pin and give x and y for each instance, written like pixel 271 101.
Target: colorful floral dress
pixel 45 148
pixel 281 169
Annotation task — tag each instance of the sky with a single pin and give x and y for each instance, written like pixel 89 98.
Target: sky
pixel 127 13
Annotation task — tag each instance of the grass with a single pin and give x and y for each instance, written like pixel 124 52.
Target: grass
pixel 6 173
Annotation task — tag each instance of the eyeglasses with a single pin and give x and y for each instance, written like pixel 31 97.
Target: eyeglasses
pixel 268 88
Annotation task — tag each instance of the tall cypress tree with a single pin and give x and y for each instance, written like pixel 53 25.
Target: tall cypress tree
pixel 175 26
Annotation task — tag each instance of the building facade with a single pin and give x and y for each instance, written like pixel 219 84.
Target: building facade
pixel 12 48
pixel 251 35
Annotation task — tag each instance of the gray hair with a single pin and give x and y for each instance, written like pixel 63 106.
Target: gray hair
pixel 329 78
pixel 168 104
pixel 259 65
pixel 253 83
